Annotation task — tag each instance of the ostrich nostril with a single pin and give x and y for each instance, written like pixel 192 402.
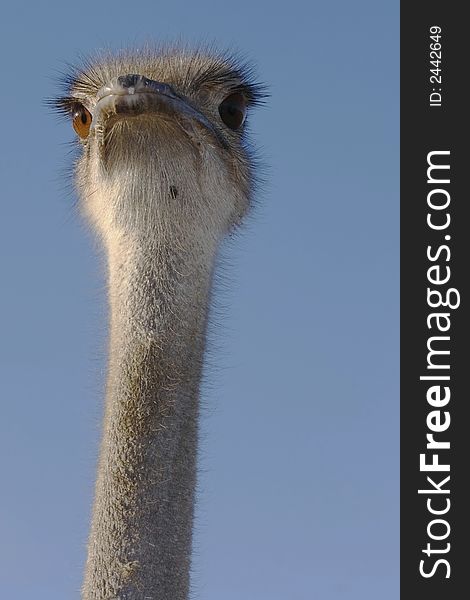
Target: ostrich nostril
pixel 127 81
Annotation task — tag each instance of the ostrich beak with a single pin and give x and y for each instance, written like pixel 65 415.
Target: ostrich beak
pixel 133 95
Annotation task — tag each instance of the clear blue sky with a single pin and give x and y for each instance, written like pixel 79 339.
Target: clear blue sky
pixel 299 456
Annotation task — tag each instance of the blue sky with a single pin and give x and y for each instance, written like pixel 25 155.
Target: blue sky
pixel 299 455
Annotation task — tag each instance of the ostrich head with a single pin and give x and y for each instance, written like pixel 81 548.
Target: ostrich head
pixel 162 133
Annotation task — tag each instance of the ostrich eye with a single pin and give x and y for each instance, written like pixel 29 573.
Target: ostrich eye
pixel 81 121
pixel 233 110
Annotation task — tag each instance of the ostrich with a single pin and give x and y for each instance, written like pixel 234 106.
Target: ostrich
pixel 163 175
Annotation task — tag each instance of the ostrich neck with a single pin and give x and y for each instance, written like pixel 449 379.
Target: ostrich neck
pixel 140 539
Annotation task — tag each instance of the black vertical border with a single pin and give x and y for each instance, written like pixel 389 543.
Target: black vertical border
pixel 424 129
